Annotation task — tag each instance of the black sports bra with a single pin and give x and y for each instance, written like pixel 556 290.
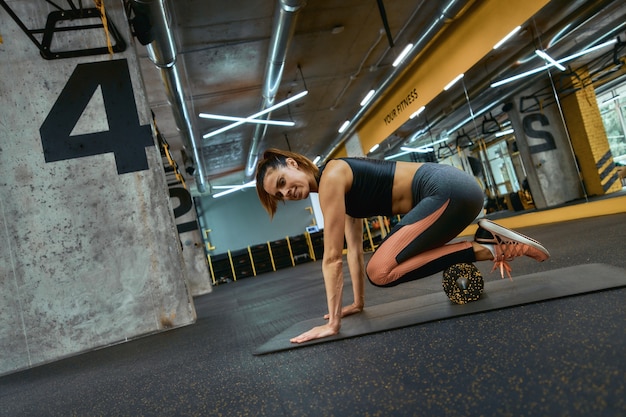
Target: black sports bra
pixel 372 186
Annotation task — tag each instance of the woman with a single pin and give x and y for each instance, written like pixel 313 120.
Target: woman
pixel 438 201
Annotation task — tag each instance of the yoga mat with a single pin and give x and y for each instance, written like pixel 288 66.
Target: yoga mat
pixel 499 294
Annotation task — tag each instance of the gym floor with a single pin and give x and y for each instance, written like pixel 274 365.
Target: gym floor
pixel 562 357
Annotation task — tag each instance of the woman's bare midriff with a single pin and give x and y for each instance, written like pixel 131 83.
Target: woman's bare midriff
pixel 402 195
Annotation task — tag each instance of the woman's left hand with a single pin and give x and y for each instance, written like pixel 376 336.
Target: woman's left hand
pixel 316 333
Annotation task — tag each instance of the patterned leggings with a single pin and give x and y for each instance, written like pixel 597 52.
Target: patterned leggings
pixel 445 201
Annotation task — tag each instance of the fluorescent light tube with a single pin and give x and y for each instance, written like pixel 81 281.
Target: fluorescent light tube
pixel 245 120
pixel 402 55
pixel 518 76
pixel 586 51
pixel 417 113
pixel 504 132
pixel 238 186
pixel 223 193
pixel 398 155
pixel 367 97
pixel 548 58
pixel 234 188
pixel 451 83
pixel 507 37
pixel 255 115
pixel 374 147
pixel 344 126
pixel 421 149
pixel 560 61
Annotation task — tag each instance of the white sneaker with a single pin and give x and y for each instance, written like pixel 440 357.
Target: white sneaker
pixel 506 244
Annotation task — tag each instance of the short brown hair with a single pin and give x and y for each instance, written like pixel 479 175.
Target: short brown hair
pixel 273 159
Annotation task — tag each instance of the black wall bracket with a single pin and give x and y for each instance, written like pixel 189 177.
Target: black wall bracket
pixel 74 14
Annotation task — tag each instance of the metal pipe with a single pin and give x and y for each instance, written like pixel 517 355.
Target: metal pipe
pixel 448 13
pixel 162 53
pixel 481 90
pixel 284 28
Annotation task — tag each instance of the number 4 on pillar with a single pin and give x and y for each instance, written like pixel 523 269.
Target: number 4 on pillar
pixel 126 138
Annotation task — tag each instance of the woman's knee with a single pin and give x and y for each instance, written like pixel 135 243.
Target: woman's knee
pixel 376 273
pixel 375 281
pixel 370 272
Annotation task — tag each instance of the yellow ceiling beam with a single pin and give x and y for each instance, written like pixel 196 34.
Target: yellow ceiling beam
pixel 339 152
pixel 462 44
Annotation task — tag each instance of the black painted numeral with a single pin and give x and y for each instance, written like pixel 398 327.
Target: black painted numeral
pixel 126 138
pixel 184 207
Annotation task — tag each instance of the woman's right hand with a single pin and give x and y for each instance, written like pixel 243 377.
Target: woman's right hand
pixel 348 311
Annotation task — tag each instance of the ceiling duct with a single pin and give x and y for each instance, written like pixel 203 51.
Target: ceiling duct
pixel 162 52
pixel 283 30
pixel 484 94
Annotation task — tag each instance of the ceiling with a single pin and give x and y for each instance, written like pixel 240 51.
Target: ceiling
pixel 337 50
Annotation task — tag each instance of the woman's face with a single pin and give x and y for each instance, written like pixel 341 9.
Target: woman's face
pixel 287 182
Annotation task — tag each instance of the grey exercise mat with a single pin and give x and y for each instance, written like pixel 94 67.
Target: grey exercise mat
pixel 499 294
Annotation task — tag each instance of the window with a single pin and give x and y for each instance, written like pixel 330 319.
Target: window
pixel 613 110
pixel 502 168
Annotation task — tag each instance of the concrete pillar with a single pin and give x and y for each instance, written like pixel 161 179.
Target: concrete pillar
pixel 544 146
pixel 588 136
pixel 354 148
pixel 89 251
pixel 191 242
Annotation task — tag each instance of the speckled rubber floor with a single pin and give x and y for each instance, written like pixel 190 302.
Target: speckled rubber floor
pixel 562 357
pixel 427 308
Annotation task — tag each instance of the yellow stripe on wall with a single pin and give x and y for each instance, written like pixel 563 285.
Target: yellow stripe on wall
pixel 465 42
pixel 606 206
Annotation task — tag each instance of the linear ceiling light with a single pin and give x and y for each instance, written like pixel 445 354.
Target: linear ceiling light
pixel 518 76
pixel 402 55
pixel 238 186
pixel 374 147
pixel 438 141
pixel 398 155
pixel 560 61
pixel 245 120
pixel 367 97
pixel 417 113
pixel 255 115
pixel 344 126
pixel 504 132
pixel 507 37
pixel 424 149
pixel 421 149
pixel 586 51
pixel 451 83
pixel 548 58
pixel 233 188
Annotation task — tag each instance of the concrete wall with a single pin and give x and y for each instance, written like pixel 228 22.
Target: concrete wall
pixel 544 147
pixel 238 220
pixel 89 252
pixel 188 227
